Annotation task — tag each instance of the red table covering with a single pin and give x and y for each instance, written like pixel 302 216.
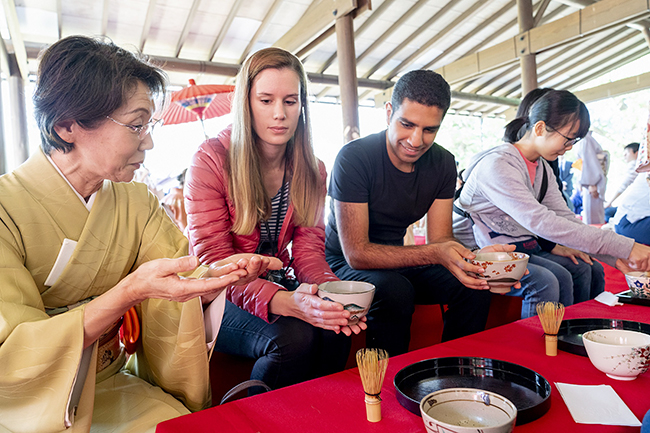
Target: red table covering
pixel 336 403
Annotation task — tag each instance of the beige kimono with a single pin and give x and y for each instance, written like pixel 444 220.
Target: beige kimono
pixel 40 355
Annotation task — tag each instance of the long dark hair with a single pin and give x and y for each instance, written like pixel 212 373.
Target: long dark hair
pixel 556 108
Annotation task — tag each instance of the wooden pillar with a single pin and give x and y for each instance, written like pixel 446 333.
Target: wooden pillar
pixel 527 61
pixel 348 77
pixel 18 113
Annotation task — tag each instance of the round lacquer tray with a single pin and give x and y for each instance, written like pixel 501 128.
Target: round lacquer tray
pixel 528 390
pixel 569 336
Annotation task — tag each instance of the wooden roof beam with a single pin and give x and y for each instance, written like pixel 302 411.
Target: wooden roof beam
pixel 105 17
pixel 473 9
pixel 59 18
pixel 389 32
pixel 362 28
pixel 186 28
pixel 592 19
pixel 224 28
pixel 615 88
pixel 147 24
pixel 465 38
pixel 16 37
pixel 574 82
pixel 591 50
pixel 429 23
pixel 265 23
pixel 320 15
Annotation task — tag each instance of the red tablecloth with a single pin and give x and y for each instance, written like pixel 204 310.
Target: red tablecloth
pixel 336 403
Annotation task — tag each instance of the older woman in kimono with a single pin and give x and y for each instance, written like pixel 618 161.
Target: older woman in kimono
pixel 80 244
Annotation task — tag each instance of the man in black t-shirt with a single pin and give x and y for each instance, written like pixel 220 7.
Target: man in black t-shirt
pixel 379 186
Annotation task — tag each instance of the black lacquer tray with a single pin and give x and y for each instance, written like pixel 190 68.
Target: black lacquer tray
pixel 528 390
pixel 569 336
pixel 627 298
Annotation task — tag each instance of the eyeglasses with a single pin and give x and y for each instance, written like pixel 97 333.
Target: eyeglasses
pixel 569 141
pixel 143 130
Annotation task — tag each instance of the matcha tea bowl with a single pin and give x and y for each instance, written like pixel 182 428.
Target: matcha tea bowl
pixel 502 270
pixel 467 410
pixel 619 353
pixel 639 284
pixel 355 296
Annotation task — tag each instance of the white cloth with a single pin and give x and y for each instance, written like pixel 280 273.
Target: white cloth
pixel 635 201
pixel 630 175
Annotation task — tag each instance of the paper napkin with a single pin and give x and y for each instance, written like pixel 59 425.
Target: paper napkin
pixel 608 298
pixel 596 404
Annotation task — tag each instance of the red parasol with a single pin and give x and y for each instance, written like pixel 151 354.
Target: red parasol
pixel 198 102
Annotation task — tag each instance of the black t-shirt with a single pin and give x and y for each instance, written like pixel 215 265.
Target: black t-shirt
pixel 364 173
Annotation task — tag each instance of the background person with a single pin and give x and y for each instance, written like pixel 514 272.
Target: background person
pixel 630 153
pixel 507 206
pixel 632 218
pixel 258 187
pixel 81 244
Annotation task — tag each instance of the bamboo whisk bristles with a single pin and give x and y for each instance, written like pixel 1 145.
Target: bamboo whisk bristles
pixel 372 369
pixel 550 314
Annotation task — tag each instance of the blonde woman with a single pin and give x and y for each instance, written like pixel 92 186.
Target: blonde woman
pixel 258 187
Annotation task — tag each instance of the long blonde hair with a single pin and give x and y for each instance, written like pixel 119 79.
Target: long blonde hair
pixel 245 175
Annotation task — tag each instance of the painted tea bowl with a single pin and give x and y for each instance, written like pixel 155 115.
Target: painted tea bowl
pixel 502 270
pixel 618 353
pixel 465 410
pixel 639 284
pixel 355 296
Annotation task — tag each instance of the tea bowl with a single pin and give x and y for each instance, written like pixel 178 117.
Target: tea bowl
pixel 618 353
pixel 639 284
pixel 355 296
pixel 465 410
pixel 502 269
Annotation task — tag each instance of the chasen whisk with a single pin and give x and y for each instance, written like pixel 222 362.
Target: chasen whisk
pixel 372 369
pixel 550 314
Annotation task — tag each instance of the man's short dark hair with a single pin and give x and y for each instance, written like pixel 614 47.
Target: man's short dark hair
pixel 634 147
pixel 424 87
pixel 86 79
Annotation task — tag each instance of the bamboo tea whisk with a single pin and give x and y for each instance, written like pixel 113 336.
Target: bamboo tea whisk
pixel 372 369
pixel 550 314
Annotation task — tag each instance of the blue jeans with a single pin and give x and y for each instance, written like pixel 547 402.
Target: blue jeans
pixel 588 280
pixel 639 231
pixel 399 290
pixel 546 282
pixel 287 351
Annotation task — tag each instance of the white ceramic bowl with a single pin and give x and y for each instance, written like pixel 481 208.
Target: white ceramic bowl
pixel 618 353
pixel 465 410
pixel 355 296
pixel 502 270
pixel 639 284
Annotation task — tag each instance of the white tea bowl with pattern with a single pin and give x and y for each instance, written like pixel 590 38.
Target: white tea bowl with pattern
pixel 465 410
pixel 618 353
pixel 355 296
pixel 502 270
pixel 639 284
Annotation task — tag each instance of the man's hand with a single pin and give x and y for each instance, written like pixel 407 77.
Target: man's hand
pixel 593 190
pixel 502 248
pixel 452 255
pixel 561 250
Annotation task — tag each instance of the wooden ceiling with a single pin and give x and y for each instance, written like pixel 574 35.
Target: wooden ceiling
pixel 475 44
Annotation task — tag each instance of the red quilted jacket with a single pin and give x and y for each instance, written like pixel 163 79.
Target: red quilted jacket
pixel 210 216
